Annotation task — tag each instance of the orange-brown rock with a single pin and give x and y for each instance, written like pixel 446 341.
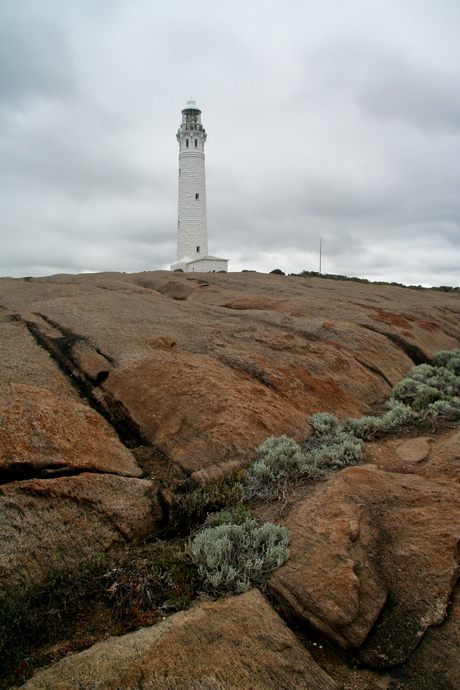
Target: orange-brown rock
pixel 42 433
pixel 204 368
pixel 436 457
pixel 374 558
pixel 52 524
pixel 237 643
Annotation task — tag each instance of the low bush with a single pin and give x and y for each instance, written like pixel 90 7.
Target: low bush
pixel 191 508
pixel 278 461
pixel 231 558
pixel 133 587
pixel 428 392
pixel 332 446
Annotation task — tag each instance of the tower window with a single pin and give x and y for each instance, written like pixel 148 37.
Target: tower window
pixel 186 143
pixel 197 196
pixel 197 250
pixel 196 143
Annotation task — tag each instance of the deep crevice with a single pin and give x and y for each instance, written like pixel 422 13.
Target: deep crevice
pixel 412 351
pixel 20 472
pixel 114 412
pixel 375 371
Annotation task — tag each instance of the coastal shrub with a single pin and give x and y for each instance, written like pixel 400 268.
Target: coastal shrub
pixel 332 445
pixel 445 409
pixel 425 384
pixel 398 415
pixel 278 461
pixel 191 508
pixel 281 460
pixel 231 558
pixel 429 391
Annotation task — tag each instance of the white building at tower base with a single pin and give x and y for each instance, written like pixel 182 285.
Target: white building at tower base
pixel 206 264
pixel 192 233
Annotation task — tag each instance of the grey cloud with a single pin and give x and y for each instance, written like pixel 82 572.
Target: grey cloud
pixel 420 95
pixel 317 127
pixel 36 61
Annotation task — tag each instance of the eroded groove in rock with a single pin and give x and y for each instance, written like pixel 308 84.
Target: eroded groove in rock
pixel 375 371
pixel 22 472
pixel 412 351
pixel 115 413
pixel 252 370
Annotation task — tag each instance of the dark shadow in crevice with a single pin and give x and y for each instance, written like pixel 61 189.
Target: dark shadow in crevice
pixel 375 371
pixel 20 472
pixel 114 412
pixel 412 351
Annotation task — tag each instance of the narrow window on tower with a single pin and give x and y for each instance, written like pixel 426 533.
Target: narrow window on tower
pixel 196 143
pixel 197 196
pixel 197 250
pixel 186 143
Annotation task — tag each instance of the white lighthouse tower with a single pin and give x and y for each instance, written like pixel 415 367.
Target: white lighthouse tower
pixel 192 232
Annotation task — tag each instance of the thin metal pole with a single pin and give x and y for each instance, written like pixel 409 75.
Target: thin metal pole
pixel 320 255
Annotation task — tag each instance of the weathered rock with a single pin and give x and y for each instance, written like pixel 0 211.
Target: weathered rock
pixel 263 351
pixel 374 558
pixel 43 433
pixel 199 412
pixel 436 457
pixel 444 460
pixel 191 373
pixel 435 663
pixel 414 450
pixel 51 524
pixel 237 643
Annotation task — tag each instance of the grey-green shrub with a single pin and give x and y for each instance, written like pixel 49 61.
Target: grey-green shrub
pixel 281 460
pixel 425 384
pixel 278 461
pixel 232 558
pixel 332 446
pixel 397 416
pixel 427 392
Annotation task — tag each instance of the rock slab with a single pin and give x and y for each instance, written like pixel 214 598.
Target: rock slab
pixel 53 524
pixel 238 643
pixel 374 559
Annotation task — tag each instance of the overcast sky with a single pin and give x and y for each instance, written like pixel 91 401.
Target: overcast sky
pixel 331 119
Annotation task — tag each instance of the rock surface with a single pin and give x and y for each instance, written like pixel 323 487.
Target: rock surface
pixel 202 369
pixel 441 458
pixel 42 434
pixel 51 524
pixel 114 388
pixel 237 643
pixel 374 559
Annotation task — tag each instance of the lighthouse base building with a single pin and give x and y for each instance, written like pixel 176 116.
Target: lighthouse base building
pixel 192 232
pixel 207 264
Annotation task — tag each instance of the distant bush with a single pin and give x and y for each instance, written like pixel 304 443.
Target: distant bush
pixel 281 460
pixel 232 558
pixel 428 392
pixel 428 384
pixel 278 272
pixel 335 276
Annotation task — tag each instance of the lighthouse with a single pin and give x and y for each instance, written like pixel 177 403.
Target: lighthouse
pixel 192 231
